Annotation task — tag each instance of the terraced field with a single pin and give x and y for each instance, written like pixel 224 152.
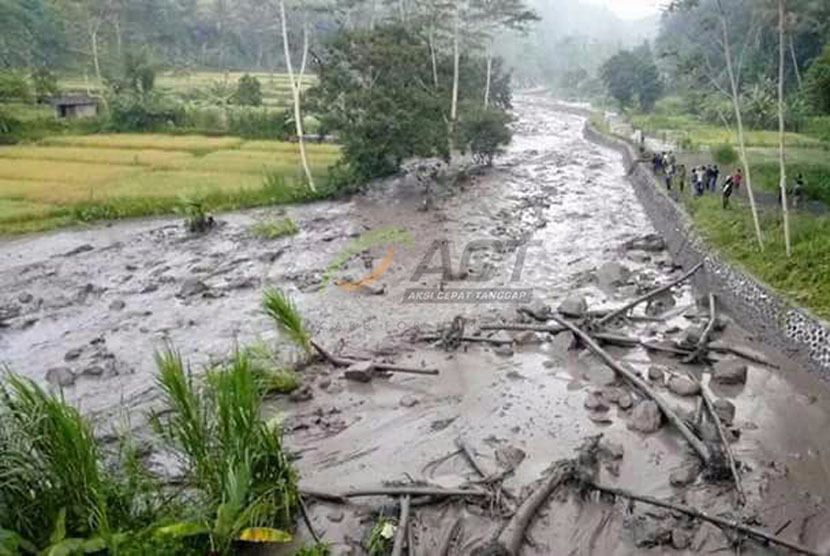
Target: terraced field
pixel 66 179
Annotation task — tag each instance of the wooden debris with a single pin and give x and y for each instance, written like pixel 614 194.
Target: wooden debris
pixel 437 492
pixel 470 456
pixel 403 527
pixel 470 339
pixel 720 522
pixel 453 532
pixel 652 294
pixel 703 342
pixel 736 476
pixel 375 365
pixel 307 519
pixel 698 446
pixel 525 327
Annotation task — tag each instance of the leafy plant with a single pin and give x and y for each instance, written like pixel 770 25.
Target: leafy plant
pixel 724 154
pixel 381 537
pixel 275 228
pixel 197 220
pixel 314 550
pixel 484 131
pixel 45 84
pixel 286 317
pixel 248 91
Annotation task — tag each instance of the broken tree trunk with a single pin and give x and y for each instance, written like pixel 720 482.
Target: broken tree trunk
pixel 698 446
pixel 510 540
pixel 622 310
pixel 393 491
pixel 720 522
pixel 703 342
pixel 342 362
pixel 524 327
pixel 403 525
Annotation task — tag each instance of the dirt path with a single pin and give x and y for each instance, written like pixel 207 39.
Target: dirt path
pixel 95 304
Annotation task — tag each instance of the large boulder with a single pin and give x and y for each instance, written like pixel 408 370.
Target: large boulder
pixel 725 410
pixel 574 306
pixel 646 417
pixel 730 371
pixel 191 287
pixel 612 275
pixel 685 475
pixel 683 386
pixel 652 243
pixel 60 376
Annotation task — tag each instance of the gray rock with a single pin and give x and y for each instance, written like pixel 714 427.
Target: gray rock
pixel 504 350
pixel 639 256
pixel 9 311
pixel 409 401
pixel 683 386
pixel 613 450
pixel 72 354
pixel 657 374
pixel 25 297
pixel 646 417
pixel 573 306
pixel 324 382
pixel 685 475
pixel 191 287
pixel 690 337
pixel 648 532
pixel 78 250
pixel 149 288
pixel 539 309
pixel 625 401
pixel 681 539
pixel 93 370
pixel 660 304
pixel 302 394
pixel 335 516
pixel 612 274
pixel 117 305
pixel 60 376
pixel 595 403
pixel 725 410
pixel 652 243
pixel 360 372
pixel 730 371
pixel 529 338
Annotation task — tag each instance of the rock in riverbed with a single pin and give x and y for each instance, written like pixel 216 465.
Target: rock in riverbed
pixel 730 371
pixel 683 386
pixel 574 306
pixel 646 417
pixel 60 376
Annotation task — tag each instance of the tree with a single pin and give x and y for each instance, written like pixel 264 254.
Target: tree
pixel 619 74
pixel 296 88
pixel 782 12
pixel 647 80
pixel 248 91
pixel 818 83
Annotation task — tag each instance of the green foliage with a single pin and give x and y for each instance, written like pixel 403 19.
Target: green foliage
pixel 248 91
pixel 381 537
pixel 818 83
pixel 139 71
pixel 314 550
pixel 280 307
pixel 235 461
pixel 10 128
pixel 196 219
pixel 252 123
pixel 819 128
pixel 647 80
pixel 619 75
pixel 45 84
pixel 14 87
pixel 275 228
pixel 483 131
pixel 130 112
pixel 724 154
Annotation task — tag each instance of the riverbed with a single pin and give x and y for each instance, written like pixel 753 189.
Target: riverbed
pixel 85 310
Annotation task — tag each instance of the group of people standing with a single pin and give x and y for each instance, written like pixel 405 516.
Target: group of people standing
pixel 703 178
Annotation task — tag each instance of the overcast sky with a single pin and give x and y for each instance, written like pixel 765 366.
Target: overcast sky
pixel 630 9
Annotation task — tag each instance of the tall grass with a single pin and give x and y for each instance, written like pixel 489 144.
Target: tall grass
pixel 235 461
pixel 282 310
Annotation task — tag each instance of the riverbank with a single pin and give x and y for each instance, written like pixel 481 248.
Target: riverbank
pixel 781 300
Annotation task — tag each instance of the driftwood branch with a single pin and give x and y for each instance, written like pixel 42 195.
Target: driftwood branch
pixel 470 456
pixel 341 497
pixel 307 519
pixel 510 540
pixel 720 522
pixel 403 525
pixel 524 327
pixel 471 339
pixel 710 406
pixel 343 362
pixel 622 310
pixel 698 446
pixel 703 342
pixel 446 542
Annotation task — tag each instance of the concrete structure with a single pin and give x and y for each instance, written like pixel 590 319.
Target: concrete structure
pixel 74 107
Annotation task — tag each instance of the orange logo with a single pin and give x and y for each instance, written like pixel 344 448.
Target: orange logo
pixel 371 277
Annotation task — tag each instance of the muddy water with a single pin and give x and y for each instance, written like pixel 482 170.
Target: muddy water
pixel 91 306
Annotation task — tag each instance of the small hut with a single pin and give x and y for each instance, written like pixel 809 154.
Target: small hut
pixel 75 106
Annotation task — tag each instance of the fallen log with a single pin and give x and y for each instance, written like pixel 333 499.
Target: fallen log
pixel 720 522
pixel 704 338
pixel 446 543
pixel 307 519
pixel 510 540
pixel 749 356
pixel 403 525
pixel 698 446
pixel 470 456
pixel 343 362
pixel 710 407
pixel 654 293
pixel 342 497
pixel 471 339
pixel 524 327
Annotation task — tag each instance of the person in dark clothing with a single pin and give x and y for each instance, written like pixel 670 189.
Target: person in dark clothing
pixel 738 179
pixel 715 175
pixel 727 191
pixel 798 190
pixel 681 177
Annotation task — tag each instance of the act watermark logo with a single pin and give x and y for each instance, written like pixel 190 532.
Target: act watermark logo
pixel 372 238
pixel 482 275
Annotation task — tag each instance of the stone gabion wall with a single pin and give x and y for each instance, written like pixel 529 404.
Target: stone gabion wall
pixel 774 321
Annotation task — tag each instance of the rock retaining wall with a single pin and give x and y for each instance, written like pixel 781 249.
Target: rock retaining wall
pixel 774 321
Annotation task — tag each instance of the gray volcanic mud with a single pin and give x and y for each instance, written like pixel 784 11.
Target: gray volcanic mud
pixel 85 310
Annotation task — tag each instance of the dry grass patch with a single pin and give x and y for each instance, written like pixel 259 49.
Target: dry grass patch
pixel 63 172
pixel 145 157
pixel 283 146
pixel 258 162
pixel 190 143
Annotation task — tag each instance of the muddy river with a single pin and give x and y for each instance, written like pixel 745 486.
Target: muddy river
pixel 86 309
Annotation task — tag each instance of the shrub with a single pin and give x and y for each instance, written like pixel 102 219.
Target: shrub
pixel 724 154
pixel 818 83
pixel 45 84
pixel 252 123
pixel 276 228
pixel 14 88
pixel 819 128
pixel 248 91
pixel 484 131
pixel 10 127
pixel 142 112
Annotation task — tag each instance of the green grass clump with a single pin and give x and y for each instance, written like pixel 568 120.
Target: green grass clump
pixel 275 228
pixel 234 459
pixel 804 279
pixel 287 318
pixel 381 537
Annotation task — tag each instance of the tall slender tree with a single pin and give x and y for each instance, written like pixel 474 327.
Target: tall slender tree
pixel 782 13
